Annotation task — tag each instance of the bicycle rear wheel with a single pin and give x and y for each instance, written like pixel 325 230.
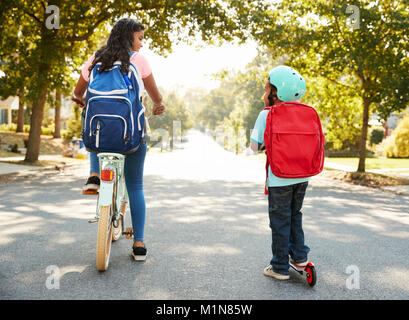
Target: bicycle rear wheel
pixel 104 237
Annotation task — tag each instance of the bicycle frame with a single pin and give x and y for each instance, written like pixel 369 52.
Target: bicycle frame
pixel 112 191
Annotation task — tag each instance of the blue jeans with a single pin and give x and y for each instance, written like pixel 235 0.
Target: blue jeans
pixel 284 207
pixel 134 184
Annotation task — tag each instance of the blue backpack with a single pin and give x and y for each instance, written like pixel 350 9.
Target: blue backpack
pixel 113 117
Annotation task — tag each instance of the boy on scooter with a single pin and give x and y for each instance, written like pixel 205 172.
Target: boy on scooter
pixel 285 195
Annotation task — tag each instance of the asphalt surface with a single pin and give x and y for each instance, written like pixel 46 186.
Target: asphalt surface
pixel 206 232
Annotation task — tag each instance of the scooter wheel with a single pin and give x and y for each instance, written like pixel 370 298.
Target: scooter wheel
pixel 311 275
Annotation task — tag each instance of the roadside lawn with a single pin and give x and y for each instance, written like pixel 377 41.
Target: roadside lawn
pixel 49 145
pixel 372 163
pixel 368 179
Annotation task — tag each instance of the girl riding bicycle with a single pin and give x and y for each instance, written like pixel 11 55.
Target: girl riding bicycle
pixel 126 37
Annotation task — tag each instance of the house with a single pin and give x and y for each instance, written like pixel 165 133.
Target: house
pixel 11 103
pixel 390 124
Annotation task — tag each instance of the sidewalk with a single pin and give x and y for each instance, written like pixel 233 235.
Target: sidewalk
pixel 7 168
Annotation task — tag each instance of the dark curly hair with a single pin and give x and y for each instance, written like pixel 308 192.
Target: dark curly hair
pixel 119 45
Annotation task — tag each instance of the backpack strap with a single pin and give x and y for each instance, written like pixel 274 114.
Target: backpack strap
pixel 265 185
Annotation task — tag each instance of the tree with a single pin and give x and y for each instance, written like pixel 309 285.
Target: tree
pixel 233 125
pixel 218 104
pixel 57 114
pixel 165 124
pixel 20 113
pixel 368 55
pixel 16 69
pixel 54 50
pixel 238 101
pixel 341 114
pixel 398 146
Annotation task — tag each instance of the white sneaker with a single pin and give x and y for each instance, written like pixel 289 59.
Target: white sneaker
pixel 268 271
pixel 298 265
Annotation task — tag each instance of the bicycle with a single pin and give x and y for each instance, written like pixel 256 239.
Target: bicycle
pixel 111 203
pixel 111 206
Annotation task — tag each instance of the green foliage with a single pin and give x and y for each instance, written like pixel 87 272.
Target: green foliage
pixel 74 124
pixel 339 107
pixel 218 104
pixel 45 130
pixel 163 126
pixel 43 59
pixel 398 146
pixel 371 59
pixel 236 104
pixel 234 131
pixel 340 112
pixel 376 136
pixel 195 99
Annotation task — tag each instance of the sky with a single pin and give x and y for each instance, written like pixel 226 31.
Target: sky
pixel 189 67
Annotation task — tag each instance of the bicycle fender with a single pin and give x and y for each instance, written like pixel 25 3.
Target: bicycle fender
pixel 105 193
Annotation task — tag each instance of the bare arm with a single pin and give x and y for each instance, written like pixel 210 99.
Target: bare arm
pixel 79 91
pixel 154 94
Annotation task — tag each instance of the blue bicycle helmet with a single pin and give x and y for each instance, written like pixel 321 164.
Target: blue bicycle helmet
pixel 290 84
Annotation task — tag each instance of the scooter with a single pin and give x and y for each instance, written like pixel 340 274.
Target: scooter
pixel 307 271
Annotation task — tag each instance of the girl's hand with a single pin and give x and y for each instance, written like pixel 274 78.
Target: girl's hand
pixel 158 109
pixel 80 102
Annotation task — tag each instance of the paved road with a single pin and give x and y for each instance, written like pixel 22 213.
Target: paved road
pixel 207 234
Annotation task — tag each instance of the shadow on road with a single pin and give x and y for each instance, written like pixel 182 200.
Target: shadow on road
pixel 207 239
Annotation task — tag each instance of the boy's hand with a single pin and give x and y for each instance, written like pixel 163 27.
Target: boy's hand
pixel 254 147
pixel 249 152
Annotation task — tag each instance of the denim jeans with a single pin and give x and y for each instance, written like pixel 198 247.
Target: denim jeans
pixel 134 164
pixel 284 206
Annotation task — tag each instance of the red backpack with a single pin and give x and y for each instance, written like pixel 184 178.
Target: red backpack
pixel 294 141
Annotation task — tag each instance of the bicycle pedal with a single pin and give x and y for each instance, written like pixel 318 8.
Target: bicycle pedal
pixel 93 221
pixel 128 233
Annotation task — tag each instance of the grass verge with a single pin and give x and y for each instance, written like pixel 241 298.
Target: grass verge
pixel 372 163
pixel 48 162
pixel 367 179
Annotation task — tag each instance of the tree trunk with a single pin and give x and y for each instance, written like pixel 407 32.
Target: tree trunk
pixel 364 135
pixel 20 114
pixel 34 137
pixel 57 118
pixel 39 87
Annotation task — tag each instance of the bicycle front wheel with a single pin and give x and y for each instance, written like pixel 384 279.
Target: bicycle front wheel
pixel 104 237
